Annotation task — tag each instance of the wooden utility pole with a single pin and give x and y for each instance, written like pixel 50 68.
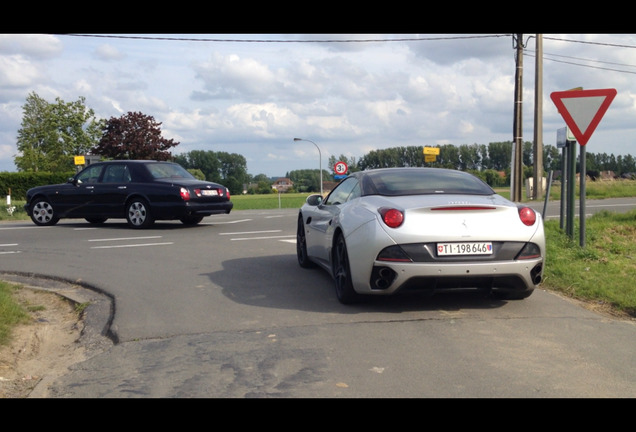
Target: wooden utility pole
pixel 537 150
pixel 517 150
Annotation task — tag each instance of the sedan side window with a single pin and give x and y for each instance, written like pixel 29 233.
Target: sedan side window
pixel 116 174
pixel 343 192
pixel 90 174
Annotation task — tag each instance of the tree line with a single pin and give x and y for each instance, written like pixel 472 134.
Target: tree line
pixel 51 134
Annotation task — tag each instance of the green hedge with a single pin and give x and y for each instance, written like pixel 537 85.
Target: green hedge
pixel 17 183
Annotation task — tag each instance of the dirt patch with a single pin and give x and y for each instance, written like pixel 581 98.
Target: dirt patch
pixel 42 349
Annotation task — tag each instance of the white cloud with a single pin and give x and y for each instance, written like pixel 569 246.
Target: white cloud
pixel 17 71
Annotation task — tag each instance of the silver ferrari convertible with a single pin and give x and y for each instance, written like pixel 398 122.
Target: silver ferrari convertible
pixel 391 230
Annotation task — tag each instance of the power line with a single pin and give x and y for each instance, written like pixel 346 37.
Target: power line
pixel 584 65
pixel 163 38
pixel 589 43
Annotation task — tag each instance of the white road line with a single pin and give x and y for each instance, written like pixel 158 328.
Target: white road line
pixel 132 245
pixel 124 238
pixel 262 238
pixel 250 232
pixel 9 252
pixel 9 244
pixel 25 227
pixel 221 223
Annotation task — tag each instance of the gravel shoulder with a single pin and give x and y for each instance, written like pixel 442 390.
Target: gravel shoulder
pixel 42 349
pixel 68 325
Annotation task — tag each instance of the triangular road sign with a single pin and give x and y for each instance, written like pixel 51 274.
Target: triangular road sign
pixel 583 110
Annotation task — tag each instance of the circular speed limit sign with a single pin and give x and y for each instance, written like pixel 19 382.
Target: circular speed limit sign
pixel 340 168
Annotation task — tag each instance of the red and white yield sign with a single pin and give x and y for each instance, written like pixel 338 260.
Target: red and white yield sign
pixel 583 110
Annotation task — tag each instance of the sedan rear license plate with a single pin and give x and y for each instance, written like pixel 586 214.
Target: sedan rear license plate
pixel 473 248
pixel 212 192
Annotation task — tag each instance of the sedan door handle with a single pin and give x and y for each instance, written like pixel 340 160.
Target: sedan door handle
pixel 121 187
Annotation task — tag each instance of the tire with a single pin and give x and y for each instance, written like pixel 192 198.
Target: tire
pixel 138 213
pixel 342 273
pixel 301 245
pixel 96 220
pixel 43 214
pixel 191 220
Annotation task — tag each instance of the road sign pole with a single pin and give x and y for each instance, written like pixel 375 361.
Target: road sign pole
pixel 582 199
pixel 564 182
pixel 569 226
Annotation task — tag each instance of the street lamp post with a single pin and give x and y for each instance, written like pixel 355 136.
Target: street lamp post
pixel 319 156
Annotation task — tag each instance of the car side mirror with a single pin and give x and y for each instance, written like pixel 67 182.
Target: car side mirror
pixel 314 200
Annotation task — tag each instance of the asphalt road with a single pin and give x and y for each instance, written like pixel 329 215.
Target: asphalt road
pixel 223 310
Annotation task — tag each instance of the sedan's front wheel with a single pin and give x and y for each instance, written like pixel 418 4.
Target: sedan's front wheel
pixel 43 214
pixel 138 213
pixel 342 273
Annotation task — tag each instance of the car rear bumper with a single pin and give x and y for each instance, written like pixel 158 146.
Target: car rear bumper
pixel 513 276
pixel 191 209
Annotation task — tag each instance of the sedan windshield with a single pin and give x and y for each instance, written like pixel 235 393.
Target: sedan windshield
pixel 423 181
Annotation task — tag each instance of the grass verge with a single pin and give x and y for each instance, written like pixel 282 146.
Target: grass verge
pixel 11 312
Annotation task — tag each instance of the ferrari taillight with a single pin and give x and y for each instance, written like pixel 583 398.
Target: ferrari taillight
pixel 393 218
pixel 527 216
pixel 185 194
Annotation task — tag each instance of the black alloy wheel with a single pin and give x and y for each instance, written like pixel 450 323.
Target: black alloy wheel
pixel 301 245
pixel 342 273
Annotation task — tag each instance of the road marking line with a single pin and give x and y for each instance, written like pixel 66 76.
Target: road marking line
pixel 221 223
pixel 250 232
pixel 124 238
pixel 262 238
pixel 133 245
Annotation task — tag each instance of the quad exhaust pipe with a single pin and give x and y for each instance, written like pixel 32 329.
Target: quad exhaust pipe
pixel 382 277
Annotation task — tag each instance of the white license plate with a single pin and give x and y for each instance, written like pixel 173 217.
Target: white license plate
pixel 471 248
pixel 212 192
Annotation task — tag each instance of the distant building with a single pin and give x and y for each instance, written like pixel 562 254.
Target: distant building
pixel 282 184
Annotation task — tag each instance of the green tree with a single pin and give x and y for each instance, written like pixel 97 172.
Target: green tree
pixel 134 136
pixel 500 154
pixel 207 161
pixel 229 169
pixel 470 157
pixel 233 171
pixel 448 157
pixel 306 180
pixel 52 134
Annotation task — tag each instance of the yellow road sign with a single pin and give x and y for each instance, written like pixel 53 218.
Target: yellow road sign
pixel 79 160
pixel 431 150
pixel 429 158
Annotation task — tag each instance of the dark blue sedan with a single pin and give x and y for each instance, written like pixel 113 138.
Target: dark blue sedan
pixel 141 191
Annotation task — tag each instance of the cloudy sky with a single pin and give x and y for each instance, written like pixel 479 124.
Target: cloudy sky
pixel 251 94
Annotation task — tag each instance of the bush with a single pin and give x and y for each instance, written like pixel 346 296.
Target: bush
pixel 17 183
